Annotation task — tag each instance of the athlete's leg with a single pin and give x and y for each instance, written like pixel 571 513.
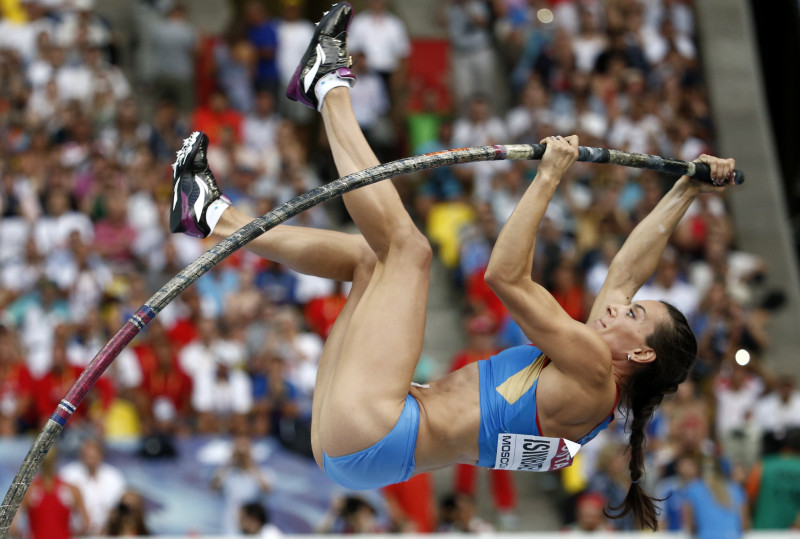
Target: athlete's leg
pixel 383 339
pixel 324 253
pixel 312 251
pixel 199 209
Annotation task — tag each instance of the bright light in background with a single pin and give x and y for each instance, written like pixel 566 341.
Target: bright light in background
pixel 742 357
pixel 545 16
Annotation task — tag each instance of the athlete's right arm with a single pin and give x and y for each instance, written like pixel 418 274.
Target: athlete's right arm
pixel 573 347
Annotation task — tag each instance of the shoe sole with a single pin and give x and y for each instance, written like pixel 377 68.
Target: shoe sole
pixel 183 220
pixel 293 91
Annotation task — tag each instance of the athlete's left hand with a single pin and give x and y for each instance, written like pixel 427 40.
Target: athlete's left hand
pixel 721 173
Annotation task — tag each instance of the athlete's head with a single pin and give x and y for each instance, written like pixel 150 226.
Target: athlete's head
pixel 626 329
pixel 675 348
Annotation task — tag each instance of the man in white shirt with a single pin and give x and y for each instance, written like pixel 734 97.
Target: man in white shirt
pixel 667 286
pixel 778 412
pixel 101 484
pixel 383 39
pixel 736 392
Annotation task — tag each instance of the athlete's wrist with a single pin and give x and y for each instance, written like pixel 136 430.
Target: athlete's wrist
pixel 686 187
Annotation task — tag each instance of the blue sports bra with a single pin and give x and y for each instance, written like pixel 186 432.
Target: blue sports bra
pixel 508 382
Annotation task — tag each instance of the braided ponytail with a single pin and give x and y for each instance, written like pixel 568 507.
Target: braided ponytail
pixel 676 347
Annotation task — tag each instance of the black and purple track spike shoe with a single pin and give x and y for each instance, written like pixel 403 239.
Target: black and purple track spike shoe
pixel 194 188
pixel 326 53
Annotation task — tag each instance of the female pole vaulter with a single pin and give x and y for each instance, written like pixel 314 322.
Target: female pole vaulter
pixel 528 407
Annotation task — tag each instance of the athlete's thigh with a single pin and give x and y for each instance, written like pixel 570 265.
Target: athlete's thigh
pixel 330 352
pixel 378 355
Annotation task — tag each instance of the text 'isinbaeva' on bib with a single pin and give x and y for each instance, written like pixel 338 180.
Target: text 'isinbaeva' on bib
pixel 526 453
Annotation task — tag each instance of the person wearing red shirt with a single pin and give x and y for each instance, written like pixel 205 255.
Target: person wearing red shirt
pixel 411 505
pixel 480 345
pixel 51 388
pixel 16 386
pixel 185 329
pixel 216 116
pixel 568 291
pixel 50 504
pixel 321 312
pixel 166 382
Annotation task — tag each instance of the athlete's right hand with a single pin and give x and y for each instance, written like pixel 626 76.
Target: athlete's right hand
pixel 560 154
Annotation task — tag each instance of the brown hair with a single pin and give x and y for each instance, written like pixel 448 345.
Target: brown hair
pixel 676 348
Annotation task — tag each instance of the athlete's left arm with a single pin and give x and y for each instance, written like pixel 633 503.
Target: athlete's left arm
pixel 637 259
pixel 573 347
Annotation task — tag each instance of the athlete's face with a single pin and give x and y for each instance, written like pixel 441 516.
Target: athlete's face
pixel 625 327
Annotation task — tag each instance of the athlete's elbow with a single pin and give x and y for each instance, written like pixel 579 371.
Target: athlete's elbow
pixel 498 277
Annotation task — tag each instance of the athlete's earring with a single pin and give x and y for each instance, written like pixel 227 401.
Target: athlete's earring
pixel 629 358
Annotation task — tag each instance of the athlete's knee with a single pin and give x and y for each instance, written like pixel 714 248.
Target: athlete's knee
pixel 414 245
pixel 365 258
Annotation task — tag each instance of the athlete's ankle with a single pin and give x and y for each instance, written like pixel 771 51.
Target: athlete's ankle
pixel 332 82
pixel 215 212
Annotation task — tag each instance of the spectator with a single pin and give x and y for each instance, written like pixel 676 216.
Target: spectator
pixel 611 481
pixel 172 44
pixel 300 349
pixel 113 237
pixel 294 33
pixel 52 505
pixel 672 492
pixel 737 390
pixel 240 481
pixel 82 26
pixel 457 514
pixel 772 486
pixel 667 286
pixel 53 230
pixel 260 127
pixel 589 42
pixel 321 311
pixel 262 33
pixel 254 520
pixel 101 484
pixel 371 105
pixel 715 506
pixel 168 127
pixel 411 505
pixel 473 59
pixel 442 184
pixel 590 516
pixel 222 394
pixel 50 388
pixel 480 127
pixel 165 388
pixel 128 517
pixel 276 402
pixel 36 315
pixel 347 515
pixel 777 413
pixel 217 116
pixel 16 386
pixel 237 62
pixel 383 39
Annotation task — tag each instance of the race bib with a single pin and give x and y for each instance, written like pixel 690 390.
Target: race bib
pixel 527 453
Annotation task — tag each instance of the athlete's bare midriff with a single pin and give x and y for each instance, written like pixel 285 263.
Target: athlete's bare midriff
pixel 450 417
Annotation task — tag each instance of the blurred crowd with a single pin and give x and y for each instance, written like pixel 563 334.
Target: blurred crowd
pixel 87 143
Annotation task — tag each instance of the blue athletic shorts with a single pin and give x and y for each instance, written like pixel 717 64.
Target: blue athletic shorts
pixel 389 461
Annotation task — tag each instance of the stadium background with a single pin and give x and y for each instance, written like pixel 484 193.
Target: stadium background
pixel 90 153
